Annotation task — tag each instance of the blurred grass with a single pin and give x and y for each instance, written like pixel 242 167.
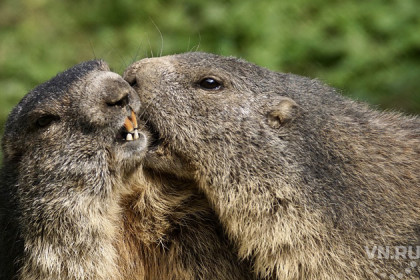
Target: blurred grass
pixel 369 49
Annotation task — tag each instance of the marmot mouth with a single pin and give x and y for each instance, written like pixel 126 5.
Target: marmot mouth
pixel 130 129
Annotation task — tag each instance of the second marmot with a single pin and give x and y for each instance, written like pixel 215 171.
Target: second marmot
pixel 309 184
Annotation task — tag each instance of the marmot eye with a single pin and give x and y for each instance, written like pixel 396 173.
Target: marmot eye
pixel 45 121
pixel 210 84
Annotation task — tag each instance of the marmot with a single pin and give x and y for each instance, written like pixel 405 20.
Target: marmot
pixel 308 183
pixel 74 203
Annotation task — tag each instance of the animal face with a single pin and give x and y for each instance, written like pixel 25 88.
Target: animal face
pixel 81 121
pixel 196 104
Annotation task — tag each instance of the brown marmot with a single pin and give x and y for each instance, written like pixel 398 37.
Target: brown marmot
pixel 74 203
pixel 308 184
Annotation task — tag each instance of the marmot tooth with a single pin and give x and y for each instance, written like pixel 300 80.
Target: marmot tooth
pixel 136 134
pixel 129 137
pixel 128 125
pixel 134 119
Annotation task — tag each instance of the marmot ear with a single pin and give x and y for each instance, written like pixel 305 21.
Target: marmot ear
pixel 283 111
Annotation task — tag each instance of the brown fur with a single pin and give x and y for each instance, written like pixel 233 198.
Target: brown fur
pixel 305 181
pixel 74 203
pixel 170 233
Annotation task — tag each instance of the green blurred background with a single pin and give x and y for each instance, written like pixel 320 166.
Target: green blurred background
pixel 369 49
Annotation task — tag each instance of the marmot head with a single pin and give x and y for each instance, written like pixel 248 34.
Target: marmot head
pixel 73 123
pixel 200 105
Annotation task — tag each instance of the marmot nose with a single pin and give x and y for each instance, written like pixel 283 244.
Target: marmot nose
pixel 131 78
pixel 120 100
pixel 121 96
